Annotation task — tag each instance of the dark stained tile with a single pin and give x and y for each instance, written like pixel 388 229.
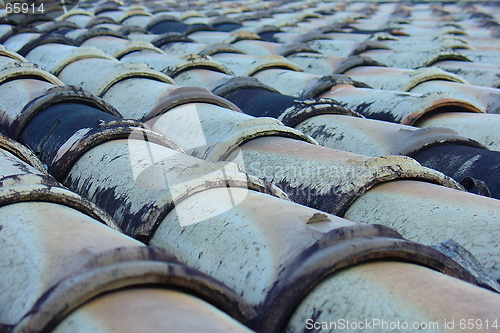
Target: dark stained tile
pixel 232 138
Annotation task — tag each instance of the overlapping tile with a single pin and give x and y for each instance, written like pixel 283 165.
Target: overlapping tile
pixel 75 134
pixel 88 259
pixel 81 176
pixel 308 193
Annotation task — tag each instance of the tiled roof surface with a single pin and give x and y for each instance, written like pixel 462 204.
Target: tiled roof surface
pixel 235 166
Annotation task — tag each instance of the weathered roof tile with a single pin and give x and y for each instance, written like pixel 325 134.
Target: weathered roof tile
pixel 163 63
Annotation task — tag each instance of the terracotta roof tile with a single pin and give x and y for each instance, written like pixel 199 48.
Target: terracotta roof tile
pixel 234 136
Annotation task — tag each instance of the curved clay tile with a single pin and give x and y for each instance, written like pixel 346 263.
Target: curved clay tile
pixel 21 152
pixel 221 138
pixel 260 101
pixel 106 73
pixel 304 84
pixel 486 98
pixel 174 65
pixel 413 59
pixel 247 65
pixel 401 107
pixel 60 138
pixel 214 37
pixel 476 73
pixel 58 26
pixel 118 311
pixel 23 183
pixel 284 260
pixel 81 35
pixel 187 95
pixel 470 125
pixel 388 78
pixel 117 47
pixel 275 296
pixel 99 21
pixel 78 16
pixel 136 17
pixel 43 56
pixel 82 260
